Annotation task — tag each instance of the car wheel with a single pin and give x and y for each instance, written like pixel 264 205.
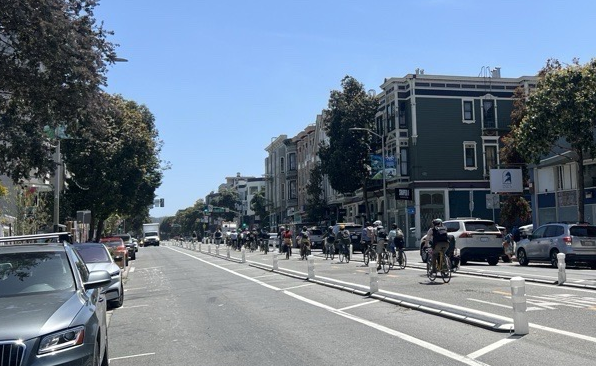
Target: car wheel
pixel 119 301
pixel 134 256
pixel 554 261
pixel 106 360
pixel 522 258
pixel 493 261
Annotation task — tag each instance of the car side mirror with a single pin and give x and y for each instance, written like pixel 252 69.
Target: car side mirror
pixel 97 279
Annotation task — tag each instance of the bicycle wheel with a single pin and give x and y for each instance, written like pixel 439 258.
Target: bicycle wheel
pixel 446 269
pixel 341 256
pixel 391 257
pixel 385 262
pixel 366 259
pixel 432 276
pixel 332 250
pixel 403 260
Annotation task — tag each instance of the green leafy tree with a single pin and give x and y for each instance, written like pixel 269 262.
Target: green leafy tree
pixel 316 205
pixel 347 153
pixel 115 170
pixel 560 118
pixel 515 209
pixel 258 204
pixel 53 59
pixel 227 198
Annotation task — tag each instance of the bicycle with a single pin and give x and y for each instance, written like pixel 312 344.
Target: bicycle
pixel 344 253
pixel 387 259
pixel 370 254
pixel 329 250
pixel 443 266
pixel 304 250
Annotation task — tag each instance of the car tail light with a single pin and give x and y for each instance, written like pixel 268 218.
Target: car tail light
pixel 567 240
pixel 465 234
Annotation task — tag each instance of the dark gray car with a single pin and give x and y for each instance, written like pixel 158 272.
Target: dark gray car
pixel 51 308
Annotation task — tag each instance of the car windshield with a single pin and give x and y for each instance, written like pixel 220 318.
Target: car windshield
pixel 151 233
pixel 28 273
pixel 583 231
pixel 481 226
pixel 93 254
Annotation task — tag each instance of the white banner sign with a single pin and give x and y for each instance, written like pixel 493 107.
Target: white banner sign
pixel 506 180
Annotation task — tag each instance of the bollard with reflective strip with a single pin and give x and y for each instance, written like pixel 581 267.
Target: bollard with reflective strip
pixel 561 265
pixel 311 267
pixel 374 277
pixel 518 298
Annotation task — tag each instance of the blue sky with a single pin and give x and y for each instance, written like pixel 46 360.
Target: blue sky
pixel 224 77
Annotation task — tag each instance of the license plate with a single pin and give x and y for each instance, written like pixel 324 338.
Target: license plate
pixel 588 243
pixel 354 236
pixel 484 239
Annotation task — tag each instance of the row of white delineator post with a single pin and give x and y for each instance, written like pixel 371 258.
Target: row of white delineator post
pixel 518 286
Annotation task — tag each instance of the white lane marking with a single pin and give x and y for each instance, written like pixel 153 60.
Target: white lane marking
pixel 531 308
pixel 132 307
pixel 408 338
pixel 268 275
pixel 131 356
pixel 149 268
pixel 358 305
pixel 227 270
pixel 492 347
pixel 469 310
pixel 293 287
pixel 135 288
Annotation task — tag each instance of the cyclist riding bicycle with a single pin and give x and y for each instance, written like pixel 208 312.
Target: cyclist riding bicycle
pixel 439 240
pixel 304 239
pixel 344 239
pixel 329 237
pixel 368 237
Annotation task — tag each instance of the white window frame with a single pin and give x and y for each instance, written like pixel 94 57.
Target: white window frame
pixel 489 97
pixel 463 111
pixel 470 145
pixel 485 143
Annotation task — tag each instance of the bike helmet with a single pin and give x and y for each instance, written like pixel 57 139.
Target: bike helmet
pixel 437 222
pixel 330 228
pixel 377 223
pixel 341 227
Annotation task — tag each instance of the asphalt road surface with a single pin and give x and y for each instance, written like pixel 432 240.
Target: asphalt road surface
pixel 184 307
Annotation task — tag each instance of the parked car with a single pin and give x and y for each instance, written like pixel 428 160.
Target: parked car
pixel 117 249
pixel 316 238
pixel 53 312
pixel 130 245
pixel 97 257
pixel 355 234
pixel 576 241
pixel 476 239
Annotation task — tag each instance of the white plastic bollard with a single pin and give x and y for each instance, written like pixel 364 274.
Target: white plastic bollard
pixel 243 255
pixel 561 265
pixel 228 252
pixel 199 246
pixel 518 297
pixel 351 251
pixel 275 261
pixel 217 250
pixel 311 266
pixel 374 277
pixel 209 248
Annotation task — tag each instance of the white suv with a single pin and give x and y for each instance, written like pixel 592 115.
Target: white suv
pixel 477 239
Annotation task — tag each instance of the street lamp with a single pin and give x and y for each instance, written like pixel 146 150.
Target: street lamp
pixel 382 137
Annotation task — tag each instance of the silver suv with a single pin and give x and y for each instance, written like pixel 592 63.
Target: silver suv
pixel 477 239
pixel 577 241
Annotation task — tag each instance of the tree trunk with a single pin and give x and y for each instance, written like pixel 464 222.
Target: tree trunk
pixel 100 224
pixel 580 187
pixel 365 196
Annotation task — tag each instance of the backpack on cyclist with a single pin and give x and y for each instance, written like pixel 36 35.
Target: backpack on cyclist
pixel 440 235
pixel 399 242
